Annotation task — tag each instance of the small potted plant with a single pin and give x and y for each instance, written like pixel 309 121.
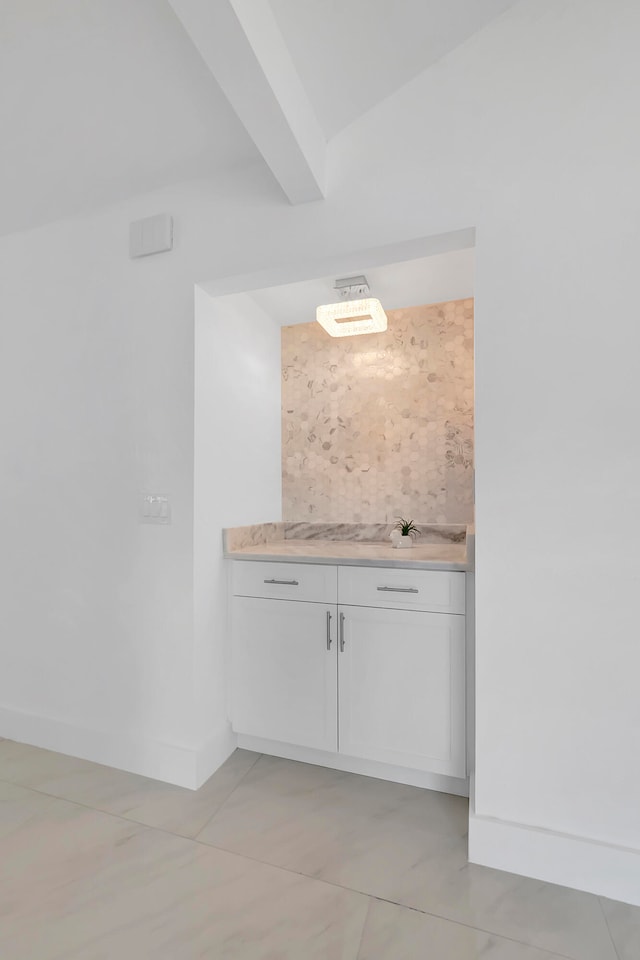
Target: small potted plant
pixel 404 533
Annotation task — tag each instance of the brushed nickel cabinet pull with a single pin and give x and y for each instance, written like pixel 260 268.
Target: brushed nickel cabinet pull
pixel 328 630
pixel 398 589
pixel 342 618
pixel 284 583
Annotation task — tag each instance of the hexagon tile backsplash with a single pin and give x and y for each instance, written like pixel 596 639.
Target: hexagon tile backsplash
pixel 380 425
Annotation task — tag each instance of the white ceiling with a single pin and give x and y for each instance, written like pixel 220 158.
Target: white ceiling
pixel 102 99
pixel 351 54
pixel 434 279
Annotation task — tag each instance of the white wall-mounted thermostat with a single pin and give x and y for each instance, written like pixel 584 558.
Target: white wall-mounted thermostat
pixel 151 235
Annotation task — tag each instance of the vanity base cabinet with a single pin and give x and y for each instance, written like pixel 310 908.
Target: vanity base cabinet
pixel 358 668
pixel 402 688
pixel 284 671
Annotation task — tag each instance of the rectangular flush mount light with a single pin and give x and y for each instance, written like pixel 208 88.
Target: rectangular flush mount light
pixel 352 317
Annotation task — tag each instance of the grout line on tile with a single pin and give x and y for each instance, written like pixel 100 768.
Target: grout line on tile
pixel 364 927
pixel 85 806
pixel 228 797
pixel 332 883
pixel 395 903
pixel 123 816
pixel 266 863
pixel 606 920
pixel 458 923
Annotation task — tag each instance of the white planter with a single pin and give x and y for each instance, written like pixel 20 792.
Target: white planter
pixel 405 543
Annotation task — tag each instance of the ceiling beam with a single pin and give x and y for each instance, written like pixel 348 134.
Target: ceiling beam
pixel 241 43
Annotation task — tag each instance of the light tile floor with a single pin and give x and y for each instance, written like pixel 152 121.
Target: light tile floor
pixel 270 859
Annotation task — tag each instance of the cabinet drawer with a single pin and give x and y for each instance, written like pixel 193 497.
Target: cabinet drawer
pixel 285 581
pixel 435 591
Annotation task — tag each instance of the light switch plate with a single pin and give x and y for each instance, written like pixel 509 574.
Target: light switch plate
pixel 154 509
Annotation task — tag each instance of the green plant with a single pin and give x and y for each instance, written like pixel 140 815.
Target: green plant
pixel 407 528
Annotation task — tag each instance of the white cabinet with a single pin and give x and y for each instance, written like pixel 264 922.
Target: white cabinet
pixel 438 591
pixel 284 669
pixel 402 688
pixel 367 662
pixel 286 581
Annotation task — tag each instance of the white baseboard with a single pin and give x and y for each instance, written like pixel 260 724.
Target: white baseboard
pixel 366 768
pixel 173 763
pixel 600 868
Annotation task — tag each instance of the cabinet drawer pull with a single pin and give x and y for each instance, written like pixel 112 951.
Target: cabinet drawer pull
pixel 328 630
pixel 399 589
pixel 342 633
pixel 285 583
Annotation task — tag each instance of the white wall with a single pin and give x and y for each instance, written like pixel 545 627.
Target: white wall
pixel 96 374
pixel 527 133
pixel 543 158
pixel 431 279
pixel 237 480
pixel 97 406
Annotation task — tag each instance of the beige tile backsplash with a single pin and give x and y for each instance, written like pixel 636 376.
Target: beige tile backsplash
pixel 380 425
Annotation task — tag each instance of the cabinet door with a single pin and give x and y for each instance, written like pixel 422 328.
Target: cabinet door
pixel 284 671
pixel 402 688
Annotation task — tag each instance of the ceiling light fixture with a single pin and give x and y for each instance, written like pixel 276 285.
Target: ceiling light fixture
pixel 351 317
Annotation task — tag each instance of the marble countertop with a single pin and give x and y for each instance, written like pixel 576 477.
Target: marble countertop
pixel 426 556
